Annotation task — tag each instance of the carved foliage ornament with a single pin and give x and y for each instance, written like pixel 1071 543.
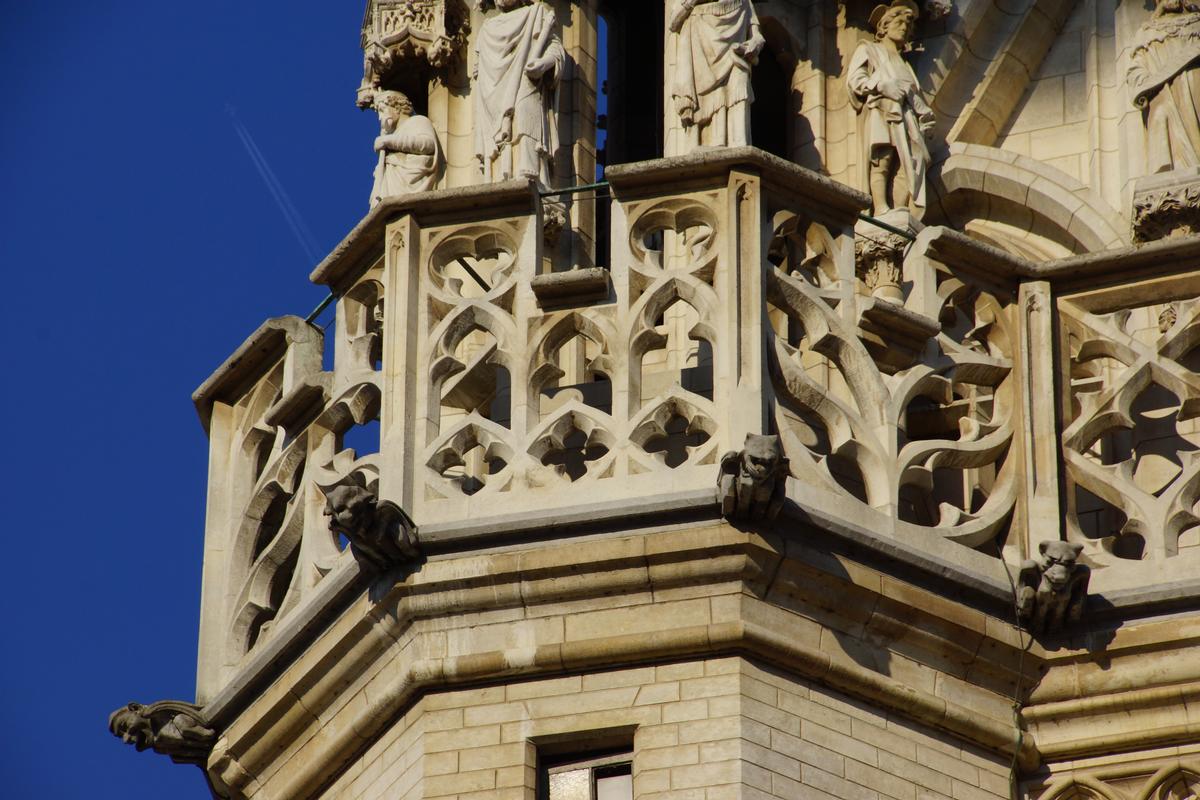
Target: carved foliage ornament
pixel 410 33
pixel 1173 211
pixel 169 727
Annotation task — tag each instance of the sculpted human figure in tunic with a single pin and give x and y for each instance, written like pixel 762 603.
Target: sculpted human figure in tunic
pixel 518 62
pixel 409 156
pixel 1164 74
pixel 894 118
pixel 718 43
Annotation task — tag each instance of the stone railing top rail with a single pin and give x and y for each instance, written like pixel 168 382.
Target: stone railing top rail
pixel 826 198
pixel 262 348
pixel 365 237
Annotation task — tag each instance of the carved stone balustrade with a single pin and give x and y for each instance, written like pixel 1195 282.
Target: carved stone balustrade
pixel 485 397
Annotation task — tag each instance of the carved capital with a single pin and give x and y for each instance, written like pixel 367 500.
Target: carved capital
pixel 169 727
pixel 752 482
pixel 380 533
pixel 879 254
pixel 1166 205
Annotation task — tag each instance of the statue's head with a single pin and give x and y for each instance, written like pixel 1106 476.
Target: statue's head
pixel 131 726
pixel 1058 561
pixel 392 107
pixel 349 508
pixel 761 456
pixel 896 21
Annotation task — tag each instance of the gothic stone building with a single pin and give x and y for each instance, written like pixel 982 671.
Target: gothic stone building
pixel 787 399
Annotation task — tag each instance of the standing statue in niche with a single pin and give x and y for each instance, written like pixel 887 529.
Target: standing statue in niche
pixel 894 117
pixel 518 62
pixel 1164 74
pixel 718 43
pixel 409 156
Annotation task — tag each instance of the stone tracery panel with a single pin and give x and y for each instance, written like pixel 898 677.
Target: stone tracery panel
pixel 909 409
pixel 1130 437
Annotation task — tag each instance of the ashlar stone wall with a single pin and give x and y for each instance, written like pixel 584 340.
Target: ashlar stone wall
pixel 705 730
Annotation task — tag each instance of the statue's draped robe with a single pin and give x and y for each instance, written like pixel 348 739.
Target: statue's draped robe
pixel 886 122
pixel 410 161
pixel 1165 76
pixel 515 132
pixel 710 77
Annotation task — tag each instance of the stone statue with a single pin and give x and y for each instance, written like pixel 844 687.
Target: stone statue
pixel 518 62
pixel 752 484
pixel 410 158
pixel 175 729
pixel 380 533
pixel 1164 74
pixel 718 43
pixel 1052 587
pixel 894 118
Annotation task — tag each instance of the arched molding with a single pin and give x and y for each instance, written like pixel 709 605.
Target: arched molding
pixel 979 182
pixel 1079 787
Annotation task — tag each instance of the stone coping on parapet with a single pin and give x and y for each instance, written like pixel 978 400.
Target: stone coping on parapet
pixel 263 347
pixel 824 198
pixel 365 238
pixel 1085 271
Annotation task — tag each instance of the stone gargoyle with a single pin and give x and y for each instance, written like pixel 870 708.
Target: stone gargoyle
pixel 752 483
pixel 380 533
pixel 1052 588
pixel 169 727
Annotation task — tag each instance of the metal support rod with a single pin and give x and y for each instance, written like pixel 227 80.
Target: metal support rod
pixel 471 271
pixel 587 187
pixel 889 228
pixel 316 312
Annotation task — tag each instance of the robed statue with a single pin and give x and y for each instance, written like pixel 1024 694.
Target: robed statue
pixel 519 59
pixel 718 44
pixel 893 115
pixel 1164 74
pixel 410 158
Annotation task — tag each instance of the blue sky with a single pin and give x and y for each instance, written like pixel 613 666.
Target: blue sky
pixel 140 245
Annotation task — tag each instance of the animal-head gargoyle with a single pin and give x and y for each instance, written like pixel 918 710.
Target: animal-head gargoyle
pixel 1053 587
pixel 175 729
pixel 752 483
pixel 380 533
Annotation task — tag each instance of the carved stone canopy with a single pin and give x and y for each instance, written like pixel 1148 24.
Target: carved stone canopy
pixel 409 36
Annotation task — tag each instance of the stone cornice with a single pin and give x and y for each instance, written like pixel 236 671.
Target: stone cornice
pixel 312 693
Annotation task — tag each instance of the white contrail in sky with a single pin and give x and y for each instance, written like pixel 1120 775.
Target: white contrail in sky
pixel 304 237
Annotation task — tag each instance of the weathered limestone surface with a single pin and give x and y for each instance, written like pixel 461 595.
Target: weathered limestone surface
pixel 534 619
pixel 824 426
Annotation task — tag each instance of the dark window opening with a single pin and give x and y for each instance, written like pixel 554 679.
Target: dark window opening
pixel 630 74
pixel 770 113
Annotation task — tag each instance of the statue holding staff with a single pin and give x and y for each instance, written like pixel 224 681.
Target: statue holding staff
pixel 894 117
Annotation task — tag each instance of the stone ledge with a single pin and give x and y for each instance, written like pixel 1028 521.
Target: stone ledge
pixel 261 350
pixel 357 723
pixel 366 237
pixel 820 195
